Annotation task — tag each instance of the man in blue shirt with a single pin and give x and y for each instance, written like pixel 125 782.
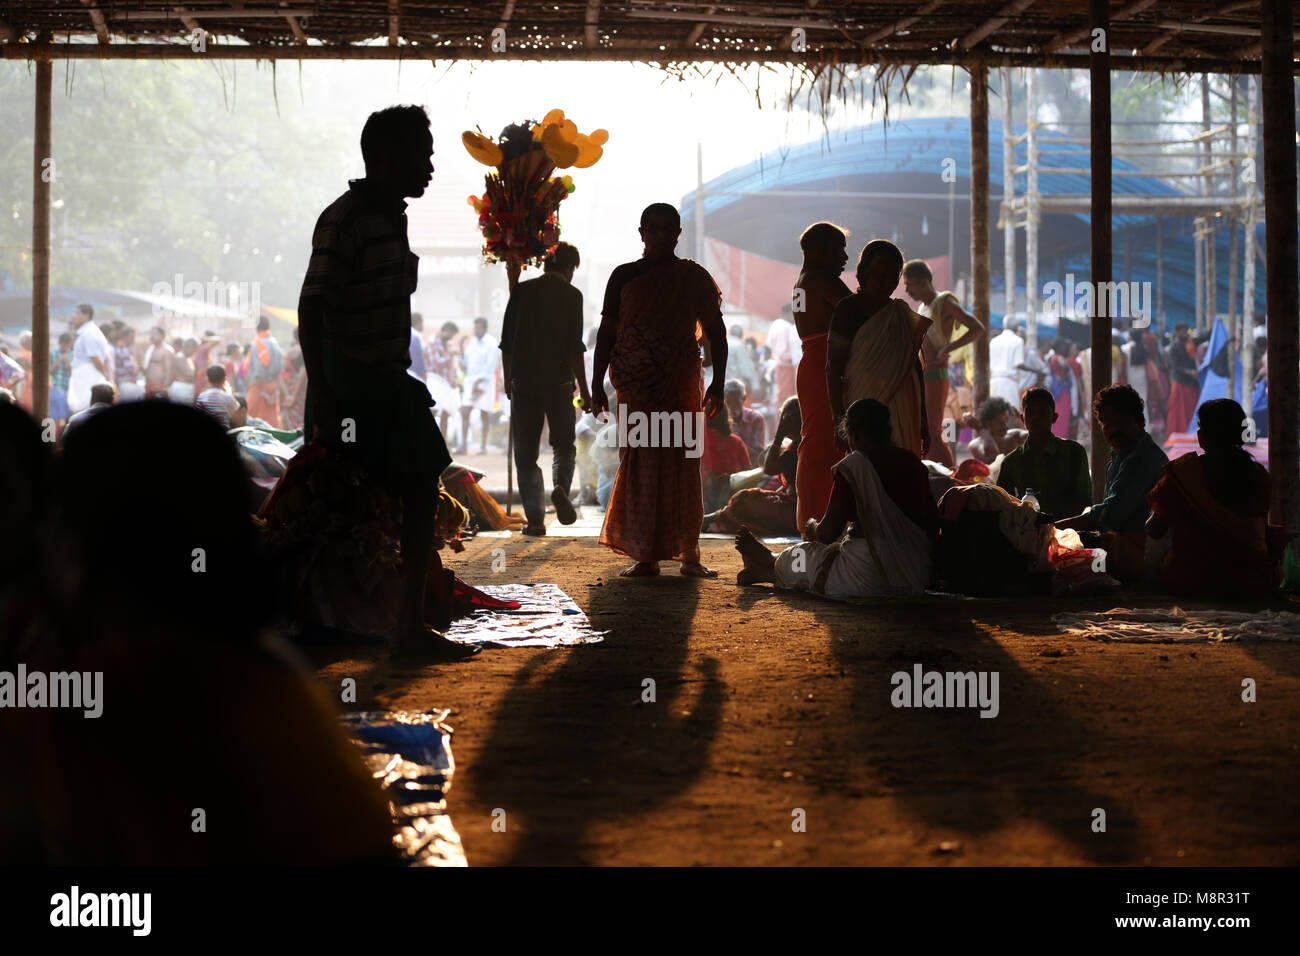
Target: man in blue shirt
pixel 1135 466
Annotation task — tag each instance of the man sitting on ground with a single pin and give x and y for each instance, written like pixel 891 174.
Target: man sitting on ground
pixel 745 422
pixel 1055 468
pixel 1135 466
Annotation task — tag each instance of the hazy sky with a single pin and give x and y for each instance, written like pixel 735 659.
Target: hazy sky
pixel 654 124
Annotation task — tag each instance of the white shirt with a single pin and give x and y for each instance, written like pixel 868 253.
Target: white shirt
pixel 1006 351
pixel 783 340
pixel 91 343
pixel 481 357
pixel 1034 360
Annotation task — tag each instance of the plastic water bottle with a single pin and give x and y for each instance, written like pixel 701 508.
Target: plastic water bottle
pixel 1031 498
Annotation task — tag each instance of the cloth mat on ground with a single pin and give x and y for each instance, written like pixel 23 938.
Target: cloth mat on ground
pixel 1176 626
pixel 409 755
pixel 546 617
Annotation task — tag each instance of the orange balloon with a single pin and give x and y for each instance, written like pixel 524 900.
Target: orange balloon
pixel 599 137
pixel 589 155
pixel 561 152
pixel 554 116
pixel 569 130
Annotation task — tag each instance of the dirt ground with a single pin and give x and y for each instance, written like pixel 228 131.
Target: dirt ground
pixel 769 703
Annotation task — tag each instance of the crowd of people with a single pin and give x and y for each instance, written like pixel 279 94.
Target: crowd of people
pixel 831 428
pixel 103 539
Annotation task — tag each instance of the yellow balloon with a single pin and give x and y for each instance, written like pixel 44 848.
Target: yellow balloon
pixel 599 137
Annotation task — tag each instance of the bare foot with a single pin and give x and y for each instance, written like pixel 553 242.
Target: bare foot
pixel 642 569
pixel 760 563
pixel 696 570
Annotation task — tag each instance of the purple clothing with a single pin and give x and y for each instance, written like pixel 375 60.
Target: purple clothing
pixel 752 429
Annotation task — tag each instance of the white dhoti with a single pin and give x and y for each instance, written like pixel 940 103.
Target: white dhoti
pixel 445 396
pixel 478 393
pixel 84 377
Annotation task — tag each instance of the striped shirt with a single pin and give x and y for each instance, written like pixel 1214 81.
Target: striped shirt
pixel 363 272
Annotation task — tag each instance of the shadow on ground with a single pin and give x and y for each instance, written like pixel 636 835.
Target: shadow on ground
pixel 573 727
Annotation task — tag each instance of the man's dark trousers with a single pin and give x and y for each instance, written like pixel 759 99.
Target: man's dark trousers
pixel 530 406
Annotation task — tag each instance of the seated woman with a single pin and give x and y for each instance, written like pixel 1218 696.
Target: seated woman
pixel 881 495
pixel 1216 507
pixel 214 745
pixel 724 455
pixel 994 436
pixel 767 512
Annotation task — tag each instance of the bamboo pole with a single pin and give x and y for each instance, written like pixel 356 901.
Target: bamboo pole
pixel 43 172
pixel 1100 224
pixel 1234 349
pixel 1031 208
pixel 1207 189
pixel 1248 253
pixel 1277 95
pixel 1008 199
pixel 979 223
pixel 1198 241
pixel 1160 276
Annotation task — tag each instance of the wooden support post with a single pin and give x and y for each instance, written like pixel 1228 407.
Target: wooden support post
pixel 1277 93
pixel 1008 198
pixel 1234 222
pixel 979 222
pixel 1031 209
pixel 1249 219
pixel 1207 189
pixel 1099 222
pixel 43 173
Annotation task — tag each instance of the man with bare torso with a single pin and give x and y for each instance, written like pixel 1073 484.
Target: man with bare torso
pixel 816 291
pixel 944 313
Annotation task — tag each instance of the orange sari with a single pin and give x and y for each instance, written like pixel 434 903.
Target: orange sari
pixel 1216 549
pixel 817 452
pixel 656 507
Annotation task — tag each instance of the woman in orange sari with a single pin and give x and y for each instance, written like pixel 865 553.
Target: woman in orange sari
pixel 656 312
pixel 1216 506
pixel 816 291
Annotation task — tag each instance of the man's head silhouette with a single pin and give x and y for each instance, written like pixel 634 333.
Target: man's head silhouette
pixel 397 147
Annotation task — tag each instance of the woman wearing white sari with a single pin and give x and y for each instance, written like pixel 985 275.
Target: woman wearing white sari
pixel 877 536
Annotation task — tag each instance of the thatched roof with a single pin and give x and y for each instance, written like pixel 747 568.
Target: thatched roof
pixel 1162 35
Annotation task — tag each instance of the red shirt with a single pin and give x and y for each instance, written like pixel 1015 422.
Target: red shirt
pixel 723 454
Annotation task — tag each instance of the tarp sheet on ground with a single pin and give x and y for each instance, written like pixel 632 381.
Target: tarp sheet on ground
pixel 409 755
pixel 1176 626
pixel 546 617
